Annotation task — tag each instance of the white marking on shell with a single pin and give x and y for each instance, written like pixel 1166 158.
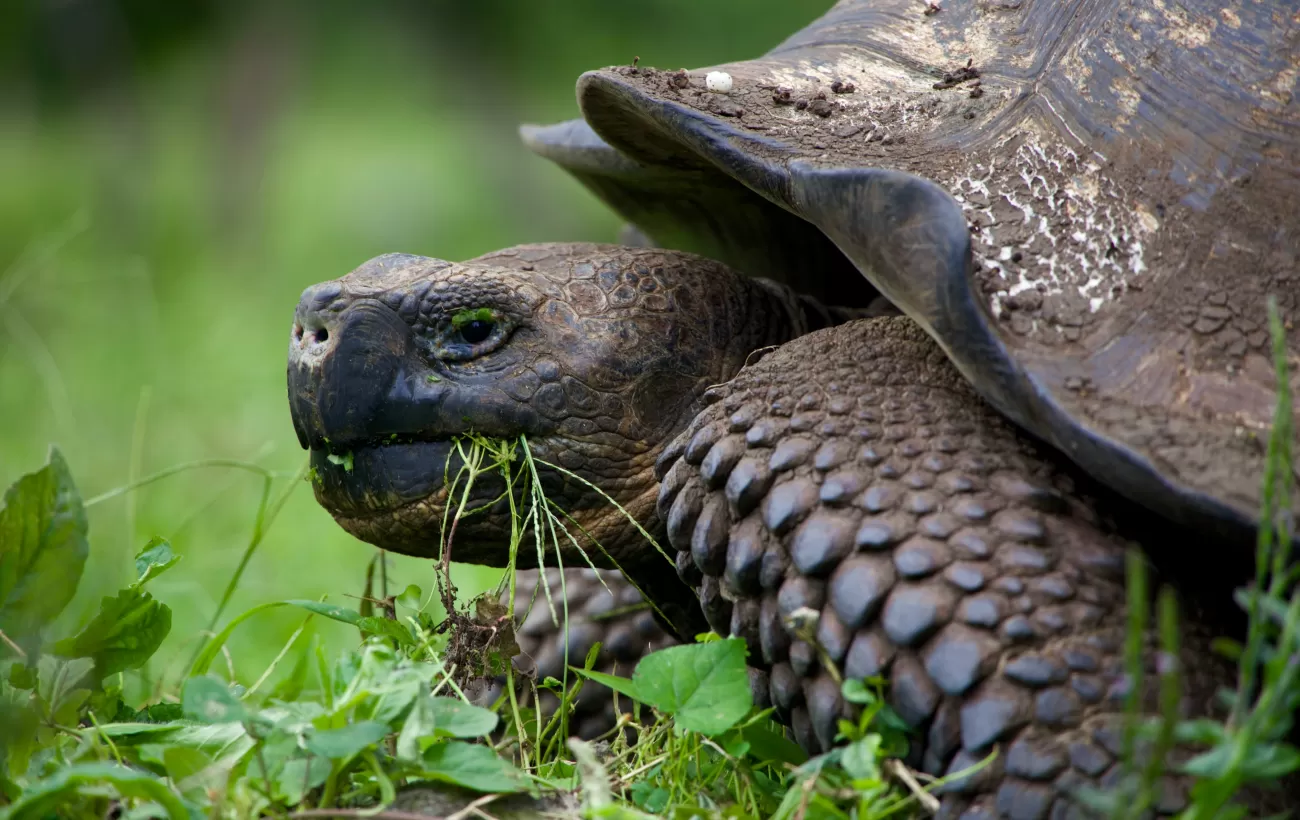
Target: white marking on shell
pixel 718 81
pixel 1096 256
pixel 1079 233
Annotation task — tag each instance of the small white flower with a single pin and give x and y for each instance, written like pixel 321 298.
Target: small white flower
pixel 719 81
pixel 803 620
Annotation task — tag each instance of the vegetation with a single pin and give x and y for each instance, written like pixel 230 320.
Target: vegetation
pixel 346 731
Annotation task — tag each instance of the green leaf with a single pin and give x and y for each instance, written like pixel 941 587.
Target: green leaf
pixel 300 773
pixel 337 613
pixel 861 759
pixel 1263 761
pixel 1228 648
pixel 347 669
pixel 60 689
pixel 388 628
pixel 208 700
pixel 393 696
pixel 155 559
pixel 133 731
pixel 182 762
pixel 282 743
pixel 411 597
pixel 856 691
pixel 705 687
pixel 43 548
pixel 159 713
pixel 22 676
pixel 124 634
pixel 768 745
pixel 624 686
pixel 145 811
pixel 18 739
pixel 1204 731
pixel 226 743
pixel 41 799
pixel 472 766
pixel 419 725
pixel 649 797
pixel 736 746
pixel 456 718
pixel 345 742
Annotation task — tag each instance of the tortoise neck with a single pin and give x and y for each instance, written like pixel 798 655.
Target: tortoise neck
pixel 784 314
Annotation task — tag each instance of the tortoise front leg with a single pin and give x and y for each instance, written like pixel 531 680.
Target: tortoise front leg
pixel 603 609
pixel 856 475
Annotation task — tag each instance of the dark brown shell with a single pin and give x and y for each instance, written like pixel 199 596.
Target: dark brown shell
pixel 1086 204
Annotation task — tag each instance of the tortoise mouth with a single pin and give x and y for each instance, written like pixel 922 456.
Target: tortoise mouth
pixel 381 425
pixel 377 478
pixel 394 495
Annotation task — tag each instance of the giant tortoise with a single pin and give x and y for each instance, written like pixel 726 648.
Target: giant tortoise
pixel 1078 208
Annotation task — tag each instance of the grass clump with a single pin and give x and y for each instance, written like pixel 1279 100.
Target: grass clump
pixel 1251 747
pixel 317 735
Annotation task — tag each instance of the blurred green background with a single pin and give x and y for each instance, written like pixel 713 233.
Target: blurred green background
pixel 173 174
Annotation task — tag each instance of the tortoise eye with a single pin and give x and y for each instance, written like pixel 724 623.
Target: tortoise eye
pixel 477 331
pixel 472 333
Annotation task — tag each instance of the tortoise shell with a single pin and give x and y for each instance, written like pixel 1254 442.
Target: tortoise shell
pixel 1087 204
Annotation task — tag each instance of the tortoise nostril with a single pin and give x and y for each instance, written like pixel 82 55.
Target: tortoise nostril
pixel 297 332
pixel 322 335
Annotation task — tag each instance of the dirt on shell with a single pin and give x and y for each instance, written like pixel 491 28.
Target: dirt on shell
pixel 1138 304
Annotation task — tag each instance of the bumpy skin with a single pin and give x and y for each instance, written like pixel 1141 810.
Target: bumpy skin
pixel 599 355
pixel 588 359
pixel 603 609
pixel 937 546
pixel 852 474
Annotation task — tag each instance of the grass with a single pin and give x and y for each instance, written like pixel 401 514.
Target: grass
pixel 213 745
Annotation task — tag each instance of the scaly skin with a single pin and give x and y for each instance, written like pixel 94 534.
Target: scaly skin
pixel 599 356
pixel 606 610
pixel 927 540
pixel 852 476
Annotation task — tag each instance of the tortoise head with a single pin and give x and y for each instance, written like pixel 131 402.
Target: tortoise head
pixel 596 355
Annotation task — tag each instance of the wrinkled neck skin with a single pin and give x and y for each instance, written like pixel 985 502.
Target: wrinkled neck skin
pixel 598 354
pixel 697 323
pixel 746 317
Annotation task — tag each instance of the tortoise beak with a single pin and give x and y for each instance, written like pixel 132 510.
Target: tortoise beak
pixel 342 368
pixel 358 397
pixel 377 414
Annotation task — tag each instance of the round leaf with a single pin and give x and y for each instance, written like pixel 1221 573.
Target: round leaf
pixel 705 687
pixel 209 700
